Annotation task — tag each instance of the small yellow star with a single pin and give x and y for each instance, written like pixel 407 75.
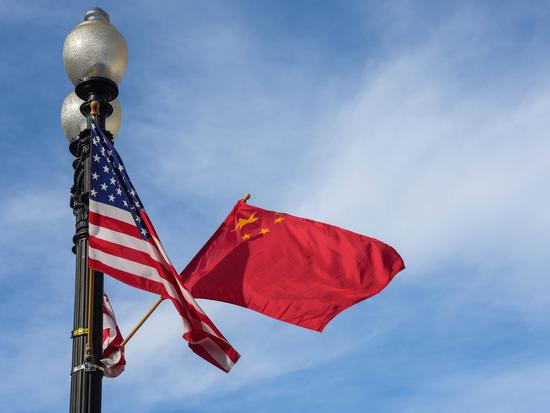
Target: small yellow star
pixel 279 219
pixel 264 231
pixel 246 236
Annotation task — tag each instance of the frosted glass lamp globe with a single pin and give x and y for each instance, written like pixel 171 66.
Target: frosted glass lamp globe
pixel 95 48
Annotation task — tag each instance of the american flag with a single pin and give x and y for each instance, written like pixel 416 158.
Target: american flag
pixel 124 245
pixel 113 355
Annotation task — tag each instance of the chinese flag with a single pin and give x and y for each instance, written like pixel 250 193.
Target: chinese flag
pixel 294 269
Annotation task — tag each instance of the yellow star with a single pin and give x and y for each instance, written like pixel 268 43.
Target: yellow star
pixel 243 221
pixel 279 219
pixel 264 231
pixel 246 236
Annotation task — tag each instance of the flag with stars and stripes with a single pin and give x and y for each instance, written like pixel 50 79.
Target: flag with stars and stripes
pixel 124 245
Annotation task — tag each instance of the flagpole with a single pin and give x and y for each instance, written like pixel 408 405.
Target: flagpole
pixel 86 370
pixel 95 56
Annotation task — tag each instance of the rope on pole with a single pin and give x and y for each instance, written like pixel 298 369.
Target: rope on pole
pixel 94 106
pixel 90 312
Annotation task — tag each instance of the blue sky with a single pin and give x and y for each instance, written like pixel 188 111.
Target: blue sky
pixel 424 124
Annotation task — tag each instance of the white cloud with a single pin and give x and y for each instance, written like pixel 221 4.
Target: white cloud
pixel 442 174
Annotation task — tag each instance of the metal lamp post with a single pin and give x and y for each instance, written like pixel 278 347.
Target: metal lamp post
pixel 95 56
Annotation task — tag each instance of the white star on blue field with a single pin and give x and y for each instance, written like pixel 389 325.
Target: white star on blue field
pixel 421 123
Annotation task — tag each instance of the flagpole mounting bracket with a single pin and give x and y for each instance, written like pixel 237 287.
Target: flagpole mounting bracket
pixel 88 367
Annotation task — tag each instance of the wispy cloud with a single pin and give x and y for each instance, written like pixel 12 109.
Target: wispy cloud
pixel 428 144
pixel 414 157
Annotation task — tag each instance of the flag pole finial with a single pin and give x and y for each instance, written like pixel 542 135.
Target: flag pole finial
pixel 246 197
pixel 94 108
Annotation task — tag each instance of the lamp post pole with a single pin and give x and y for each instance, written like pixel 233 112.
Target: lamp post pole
pixel 86 374
pixel 95 56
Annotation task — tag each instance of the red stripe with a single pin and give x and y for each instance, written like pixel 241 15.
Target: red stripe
pixel 129 278
pixel 129 254
pixel 114 224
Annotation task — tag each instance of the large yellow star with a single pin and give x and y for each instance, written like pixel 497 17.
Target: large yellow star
pixel 243 221
pixel 246 236
pixel 279 219
pixel 264 231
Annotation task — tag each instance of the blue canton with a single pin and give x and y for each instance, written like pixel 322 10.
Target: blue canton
pixel 109 182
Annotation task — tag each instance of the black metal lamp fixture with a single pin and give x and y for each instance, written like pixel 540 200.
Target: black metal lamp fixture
pixel 95 56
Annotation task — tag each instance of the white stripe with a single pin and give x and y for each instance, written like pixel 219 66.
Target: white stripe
pixel 135 268
pixel 107 306
pixel 128 241
pixel 111 212
pixel 108 322
pixel 216 352
pixel 109 325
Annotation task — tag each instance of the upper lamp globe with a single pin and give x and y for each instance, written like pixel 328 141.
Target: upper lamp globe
pixel 95 48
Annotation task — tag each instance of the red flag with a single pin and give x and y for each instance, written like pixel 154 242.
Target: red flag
pixel 293 269
pixel 113 355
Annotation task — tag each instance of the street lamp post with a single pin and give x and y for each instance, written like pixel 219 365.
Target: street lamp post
pixel 95 57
